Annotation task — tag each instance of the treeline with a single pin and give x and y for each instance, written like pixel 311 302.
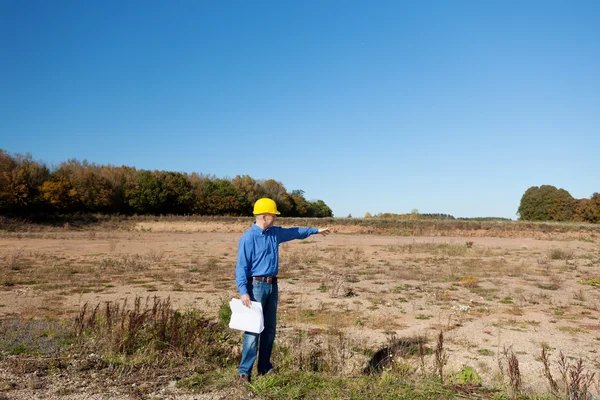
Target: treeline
pixel 415 215
pixel 28 187
pixel 547 203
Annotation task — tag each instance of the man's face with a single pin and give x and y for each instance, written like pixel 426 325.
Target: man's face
pixel 269 220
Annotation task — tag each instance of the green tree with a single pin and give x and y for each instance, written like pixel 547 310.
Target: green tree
pixel 320 210
pixel 219 197
pixel 249 189
pixel 536 203
pixel 300 207
pixel 146 193
pixel 121 179
pixel 196 181
pixel 180 194
pixel 547 203
pixel 27 186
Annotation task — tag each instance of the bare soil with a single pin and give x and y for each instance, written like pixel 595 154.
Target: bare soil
pixel 487 294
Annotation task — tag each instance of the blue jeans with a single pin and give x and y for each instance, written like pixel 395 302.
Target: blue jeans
pixel 267 294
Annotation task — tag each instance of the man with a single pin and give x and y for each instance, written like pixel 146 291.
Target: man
pixel 256 278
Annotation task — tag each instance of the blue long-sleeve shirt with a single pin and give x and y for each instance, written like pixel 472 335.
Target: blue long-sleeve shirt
pixel 258 251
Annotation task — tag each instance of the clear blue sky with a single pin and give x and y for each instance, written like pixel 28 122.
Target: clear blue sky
pixel 382 106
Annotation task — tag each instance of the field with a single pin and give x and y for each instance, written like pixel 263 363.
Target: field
pixel 365 295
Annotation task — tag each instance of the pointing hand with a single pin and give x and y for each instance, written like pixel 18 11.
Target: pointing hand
pixel 324 231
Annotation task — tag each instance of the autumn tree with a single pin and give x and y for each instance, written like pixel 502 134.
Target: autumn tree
pixel 219 197
pixel 300 207
pixel 59 194
pixel 95 191
pixel 276 191
pixel 20 179
pixel 582 210
pixel 28 186
pixel 249 189
pixel 563 206
pixel 547 203
pixel 594 209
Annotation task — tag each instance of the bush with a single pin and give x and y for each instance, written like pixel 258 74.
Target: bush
pixel 224 313
pixel 152 328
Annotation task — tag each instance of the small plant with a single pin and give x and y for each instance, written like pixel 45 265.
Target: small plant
pixel 485 352
pixel 591 282
pixel 224 312
pixel 467 376
pixel 554 283
pixel 423 316
pixel 19 349
pixel 579 295
pixel 358 254
pixel 177 287
pixel 133 262
pixel 337 286
pixel 515 310
pixel 155 256
pixel 323 288
pixel 560 254
pixel 212 263
pixel 441 358
pixel 470 282
pixel 469 244
pixel 572 330
pixel 513 370
pixel 546 361
pixel 14 259
pixel 576 381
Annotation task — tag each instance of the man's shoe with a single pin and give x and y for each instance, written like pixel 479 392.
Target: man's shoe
pixel 244 378
pixel 272 371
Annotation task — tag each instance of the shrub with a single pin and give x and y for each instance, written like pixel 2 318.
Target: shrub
pixel 151 328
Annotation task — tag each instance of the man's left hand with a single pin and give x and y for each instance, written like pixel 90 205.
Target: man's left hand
pixel 324 231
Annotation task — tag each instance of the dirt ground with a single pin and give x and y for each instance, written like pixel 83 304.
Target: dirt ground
pixel 487 294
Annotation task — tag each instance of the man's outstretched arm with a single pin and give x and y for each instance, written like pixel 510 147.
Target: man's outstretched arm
pixel 287 234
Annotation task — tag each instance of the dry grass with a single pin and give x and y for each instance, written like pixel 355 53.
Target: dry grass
pixel 339 284
pixel 444 249
pixel 560 254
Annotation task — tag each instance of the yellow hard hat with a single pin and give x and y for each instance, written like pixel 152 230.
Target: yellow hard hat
pixel 265 206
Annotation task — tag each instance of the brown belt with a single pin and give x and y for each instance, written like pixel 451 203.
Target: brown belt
pixel 268 279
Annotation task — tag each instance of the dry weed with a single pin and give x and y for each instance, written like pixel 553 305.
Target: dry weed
pixel 560 254
pixel 14 259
